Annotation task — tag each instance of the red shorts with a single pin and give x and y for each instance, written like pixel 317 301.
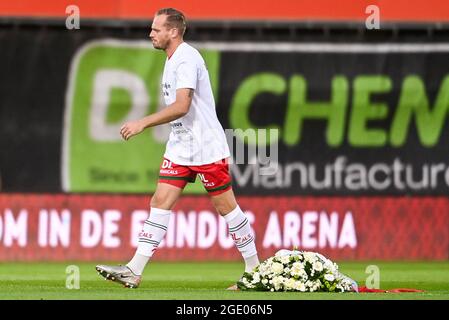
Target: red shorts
pixel 214 176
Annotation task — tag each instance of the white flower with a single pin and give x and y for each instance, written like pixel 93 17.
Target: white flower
pixel 264 269
pixel 318 266
pixel 297 285
pixel 329 266
pixel 278 282
pixel 277 268
pixel 301 273
pixel 285 259
pixel 309 256
pixel 282 253
pixel 329 277
pixel 265 281
pixel 272 290
pixel 298 265
pixel 256 277
pixel 301 287
pixel 290 284
pixel 297 269
pixel 313 285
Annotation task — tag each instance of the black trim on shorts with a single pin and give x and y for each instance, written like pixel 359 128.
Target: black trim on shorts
pixel 189 179
pixel 220 188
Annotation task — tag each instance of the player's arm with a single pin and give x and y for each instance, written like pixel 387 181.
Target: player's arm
pixel 176 110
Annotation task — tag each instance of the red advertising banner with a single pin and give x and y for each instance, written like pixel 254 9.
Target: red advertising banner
pixel 397 10
pixel 105 227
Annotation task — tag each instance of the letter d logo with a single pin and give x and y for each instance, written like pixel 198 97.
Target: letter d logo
pixel 166 164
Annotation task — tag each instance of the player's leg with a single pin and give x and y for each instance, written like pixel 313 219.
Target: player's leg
pixel 155 227
pixel 239 227
pixel 172 180
pixel 152 233
pixel 216 179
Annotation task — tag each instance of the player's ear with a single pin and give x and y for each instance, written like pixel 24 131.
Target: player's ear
pixel 174 32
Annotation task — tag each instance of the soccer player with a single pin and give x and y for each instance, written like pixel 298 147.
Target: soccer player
pixel 196 146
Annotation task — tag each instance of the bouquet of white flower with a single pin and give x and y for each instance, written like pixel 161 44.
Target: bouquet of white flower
pixel 297 271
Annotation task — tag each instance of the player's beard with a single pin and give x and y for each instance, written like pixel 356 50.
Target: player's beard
pixel 161 45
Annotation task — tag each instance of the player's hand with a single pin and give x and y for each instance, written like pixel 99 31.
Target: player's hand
pixel 130 129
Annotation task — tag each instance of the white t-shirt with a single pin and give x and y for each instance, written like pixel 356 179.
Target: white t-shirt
pixel 198 137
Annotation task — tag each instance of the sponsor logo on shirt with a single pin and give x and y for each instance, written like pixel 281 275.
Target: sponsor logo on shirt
pixel 177 128
pixel 165 87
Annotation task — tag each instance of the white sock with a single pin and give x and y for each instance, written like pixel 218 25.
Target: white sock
pixel 243 236
pixel 152 233
pixel 251 263
pixel 138 263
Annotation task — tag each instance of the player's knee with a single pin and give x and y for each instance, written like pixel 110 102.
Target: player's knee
pixel 159 201
pixel 224 207
pixel 220 209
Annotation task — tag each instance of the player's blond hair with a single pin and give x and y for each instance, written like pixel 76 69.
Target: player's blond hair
pixel 175 19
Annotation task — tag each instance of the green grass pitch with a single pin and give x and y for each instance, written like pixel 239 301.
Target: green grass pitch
pixel 204 281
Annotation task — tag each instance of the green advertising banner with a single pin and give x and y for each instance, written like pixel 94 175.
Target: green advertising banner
pixel 348 119
pixel 112 82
